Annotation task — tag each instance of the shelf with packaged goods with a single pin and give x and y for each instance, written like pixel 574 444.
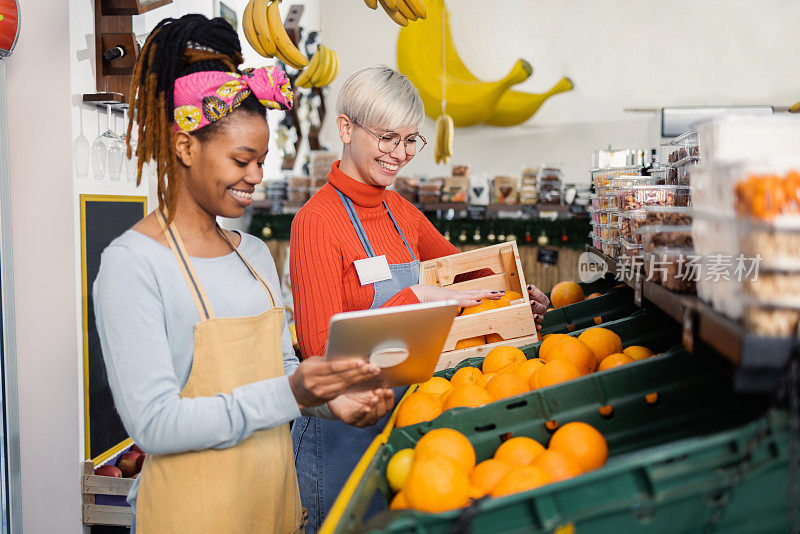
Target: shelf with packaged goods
pixel 761 360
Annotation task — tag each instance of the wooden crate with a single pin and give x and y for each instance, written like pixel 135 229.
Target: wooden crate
pixel 513 323
pixel 93 486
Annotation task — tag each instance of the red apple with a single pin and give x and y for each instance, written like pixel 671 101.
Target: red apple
pixel 108 471
pixel 140 462
pixel 127 463
pixel 136 448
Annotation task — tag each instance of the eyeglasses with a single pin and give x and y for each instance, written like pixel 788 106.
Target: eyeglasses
pixel 389 141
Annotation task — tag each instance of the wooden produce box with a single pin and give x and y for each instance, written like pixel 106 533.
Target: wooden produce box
pixel 513 323
pixel 104 498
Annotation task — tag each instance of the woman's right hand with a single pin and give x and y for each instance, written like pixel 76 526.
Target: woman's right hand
pixel 316 381
pixel 465 298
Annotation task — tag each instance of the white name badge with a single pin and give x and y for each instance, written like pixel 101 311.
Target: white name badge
pixel 371 270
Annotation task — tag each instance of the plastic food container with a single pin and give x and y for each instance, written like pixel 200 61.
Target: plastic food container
pixel 684 146
pixel 683 170
pixel 608 201
pixel 596 230
pixel 775 287
pixel 594 215
pixel 770 319
pixel 609 247
pixel 596 241
pixel 609 232
pixel 594 202
pixel 638 196
pixel 659 176
pixel 629 250
pixel 665 236
pixel 628 223
pixel 677 269
pixel 778 245
pixel 627 181
pixel 667 215
pixel 601 177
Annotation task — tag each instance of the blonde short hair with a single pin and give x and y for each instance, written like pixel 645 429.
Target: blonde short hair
pixel 381 97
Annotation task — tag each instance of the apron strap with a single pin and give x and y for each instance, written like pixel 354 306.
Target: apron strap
pixel 362 234
pixel 193 281
pixel 249 267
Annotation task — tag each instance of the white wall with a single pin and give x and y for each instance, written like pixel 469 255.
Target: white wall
pixel 44 269
pixel 619 53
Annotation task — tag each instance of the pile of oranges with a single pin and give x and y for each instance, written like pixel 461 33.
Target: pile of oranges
pixel 486 305
pixel 507 372
pixel 441 474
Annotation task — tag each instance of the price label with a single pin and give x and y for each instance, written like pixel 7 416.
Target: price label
pixel 550 215
pixel 476 213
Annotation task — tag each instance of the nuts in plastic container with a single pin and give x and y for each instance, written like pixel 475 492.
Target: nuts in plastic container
pixel 601 177
pixel 667 215
pixel 638 196
pixel 659 175
pixel 595 203
pixel 683 169
pixel 665 236
pixel 772 320
pixel 684 146
pixel 609 247
pixel 674 268
pixel 627 181
pixel 609 232
pixel 596 230
pixel 595 240
pixel 629 249
pixel 773 286
pixel 778 245
pixel 767 195
pixel 628 223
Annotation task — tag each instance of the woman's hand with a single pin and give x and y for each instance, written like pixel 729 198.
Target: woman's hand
pixel 464 298
pixel 539 304
pixel 363 408
pixel 316 381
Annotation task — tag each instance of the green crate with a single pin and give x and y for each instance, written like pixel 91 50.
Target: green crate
pixel 668 462
pixel 615 304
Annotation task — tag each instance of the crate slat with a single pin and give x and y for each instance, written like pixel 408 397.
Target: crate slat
pixel 98 485
pixel 100 514
pixel 454 357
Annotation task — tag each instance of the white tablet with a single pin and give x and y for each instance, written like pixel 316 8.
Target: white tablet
pixel 404 341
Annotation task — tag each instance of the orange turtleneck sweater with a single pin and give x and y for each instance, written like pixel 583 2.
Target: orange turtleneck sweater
pixel 324 246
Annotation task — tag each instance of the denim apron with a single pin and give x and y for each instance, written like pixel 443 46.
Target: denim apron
pixel 327 451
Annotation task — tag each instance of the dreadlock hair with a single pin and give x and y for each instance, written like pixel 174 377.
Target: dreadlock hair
pixel 175 48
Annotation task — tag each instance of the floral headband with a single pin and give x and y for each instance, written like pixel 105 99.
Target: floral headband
pixel 207 96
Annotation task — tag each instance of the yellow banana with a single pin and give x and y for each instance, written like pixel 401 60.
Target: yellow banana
pixel 323 67
pixel 437 153
pixel 259 15
pixel 516 107
pixel 372 4
pixel 284 46
pixel 444 139
pixel 795 108
pixel 418 8
pixel 334 71
pixel 403 8
pixel 391 4
pixel 393 13
pixel 304 79
pixel 249 30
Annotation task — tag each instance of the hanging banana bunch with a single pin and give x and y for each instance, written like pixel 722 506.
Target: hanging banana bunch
pixel 263 29
pixel 445 134
pixel 400 11
pixel 322 69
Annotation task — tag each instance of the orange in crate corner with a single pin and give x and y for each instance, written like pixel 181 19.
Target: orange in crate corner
pixel 507 298
pixel 485 305
pixel 637 352
pixel 418 407
pixel 493 338
pixel 466 375
pixel 450 443
pixel 566 293
pixel 602 341
pixel 436 484
pixel 574 351
pixel 506 385
pixel 558 465
pixel 469 396
pixel 470 342
pixel 483 381
pixel 503 360
pixel 519 451
pixel 520 479
pixel 550 341
pixel 436 386
pixel 583 442
pixel 488 474
pixel 399 502
pixel 526 370
pixel 555 372
pixel 614 360
pixel 594 295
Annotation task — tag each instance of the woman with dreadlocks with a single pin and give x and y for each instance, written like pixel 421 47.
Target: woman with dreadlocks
pixel 199 356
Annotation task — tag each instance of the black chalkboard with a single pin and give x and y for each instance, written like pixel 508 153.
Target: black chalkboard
pixel 103 219
pixel 547 255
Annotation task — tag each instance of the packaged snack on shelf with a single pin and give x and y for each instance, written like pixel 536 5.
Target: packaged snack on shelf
pixel 320 161
pixel 659 175
pixel 665 236
pixel 528 195
pixel 430 191
pixel 596 230
pixel 773 286
pixel 621 182
pixel 461 170
pixel 528 177
pixel 680 171
pixel 596 241
pixel 777 245
pixel 455 189
pixel 610 247
pixel 609 232
pixel 628 223
pixel 766 195
pixel 674 268
pixel 749 138
pixel 613 216
pixel 505 190
pixel 629 249
pixel 408 188
pixel 601 177
pixel 298 190
pixel 684 146
pixel 594 202
pixel 548 185
pixel 602 216
pixel 638 196
pixel 667 215
pixel 608 201
pixel 772 319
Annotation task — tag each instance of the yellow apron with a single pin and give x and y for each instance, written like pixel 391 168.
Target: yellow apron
pixel 250 487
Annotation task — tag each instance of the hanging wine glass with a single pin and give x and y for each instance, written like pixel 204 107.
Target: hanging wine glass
pixel 101 148
pixel 81 152
pixel 131 164
pixel 116 153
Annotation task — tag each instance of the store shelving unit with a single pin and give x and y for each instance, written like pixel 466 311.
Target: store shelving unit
pixel 761 360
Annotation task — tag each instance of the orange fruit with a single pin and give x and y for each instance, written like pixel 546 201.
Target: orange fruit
pixel 399 502
pixel 470 396
pixel 465 375
pixel 493 338
pixel 558 465
pixel 574 351
pixel 503 360
pixel 651 398
pixel 506 299
pixel 550 341
pixel 526 370
pixel 485 305
pixel 566 293
pixel 436 386
pixel 637 352
pixel 602 341
pixel 436 484
pixel 520 479
pixel 519 451
pixel 450 443
pixel 443 397
pixel 418 407
pixel 614 360
pixel 505 385
pixel 551 425
pixel 606 410
pixel 583 442
pixel 593 295
pixel 487 474
pixel 469 342
pixel 555 372
pixel 482 381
